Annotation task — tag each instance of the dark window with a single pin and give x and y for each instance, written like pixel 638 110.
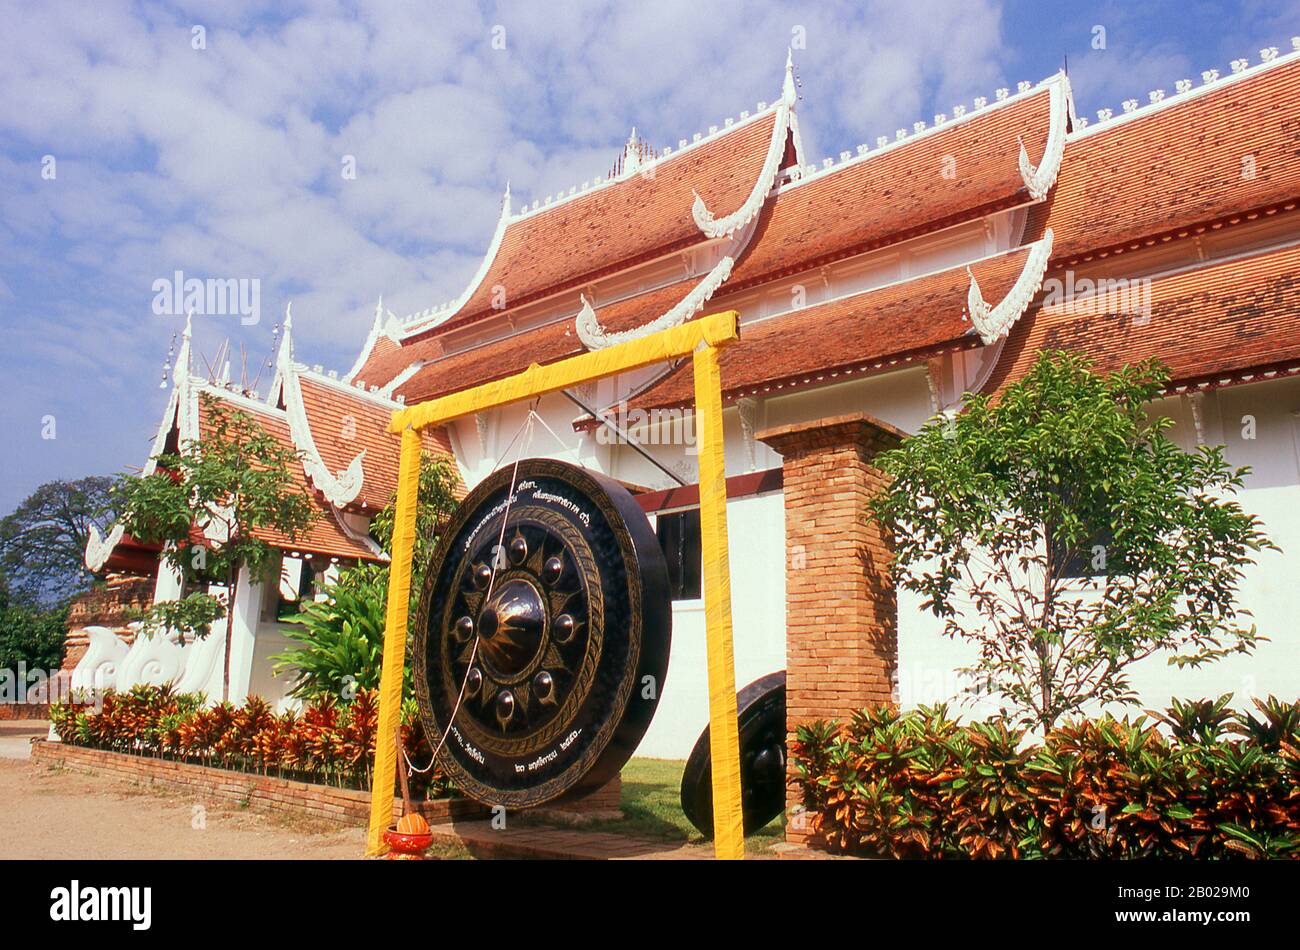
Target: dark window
pixel 679 536
pixel 287 608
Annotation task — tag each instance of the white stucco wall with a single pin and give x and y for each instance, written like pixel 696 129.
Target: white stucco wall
pixel 756 537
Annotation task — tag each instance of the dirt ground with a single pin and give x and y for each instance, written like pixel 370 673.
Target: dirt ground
pixel 46 813
pixel 64 814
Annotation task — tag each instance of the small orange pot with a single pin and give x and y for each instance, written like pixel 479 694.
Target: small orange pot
pixel 404 847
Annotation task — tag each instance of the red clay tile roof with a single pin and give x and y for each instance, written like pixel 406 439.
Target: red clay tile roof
pixel 1233 317
pixel 619 224
pixel 1177 166
pixel 899 323
pixel 388 358
pixel 542 345
pixel 899 193
pixel 381 362
pixel 324 535
pixel 344 423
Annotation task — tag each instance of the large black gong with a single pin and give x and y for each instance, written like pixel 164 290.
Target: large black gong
pixel 760 715
pixel 548 616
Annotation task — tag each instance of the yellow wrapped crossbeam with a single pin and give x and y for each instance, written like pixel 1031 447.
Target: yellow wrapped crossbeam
pixel 698 339
pixel 715 330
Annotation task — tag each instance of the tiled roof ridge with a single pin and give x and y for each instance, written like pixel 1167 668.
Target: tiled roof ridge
pixel 1186 90
pixel 419 321
pixel 1003 97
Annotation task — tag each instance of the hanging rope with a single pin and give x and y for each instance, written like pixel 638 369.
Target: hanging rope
pixel 526 428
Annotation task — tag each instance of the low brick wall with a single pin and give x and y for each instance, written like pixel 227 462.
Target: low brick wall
pixel 12 711
pixel 346 806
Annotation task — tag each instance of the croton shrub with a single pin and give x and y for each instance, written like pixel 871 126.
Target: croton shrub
pixel 1213 784
pixel 326 741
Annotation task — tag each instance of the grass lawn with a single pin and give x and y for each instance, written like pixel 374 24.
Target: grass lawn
pixel 652 807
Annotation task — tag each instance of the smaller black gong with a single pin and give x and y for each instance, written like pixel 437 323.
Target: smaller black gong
pixel 760 714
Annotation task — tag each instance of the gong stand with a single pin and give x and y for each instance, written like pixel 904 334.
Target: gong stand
pixel 699 339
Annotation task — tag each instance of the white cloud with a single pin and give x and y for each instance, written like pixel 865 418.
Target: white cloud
pixel 226 161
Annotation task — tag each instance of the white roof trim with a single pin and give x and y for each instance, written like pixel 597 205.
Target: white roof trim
pixel 436 316
pixel 381 327
pixel 864 153
pixel 595 337
pixel 645 170
pixel 353 389
pixel 1210 82
pixel 750 207
pixel 994 322
pixel 100 548
pixel 1039 180
pixel 340 488
pixel 393 384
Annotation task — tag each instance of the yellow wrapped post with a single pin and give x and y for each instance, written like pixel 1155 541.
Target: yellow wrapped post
pixel 390 676
pixel 724 739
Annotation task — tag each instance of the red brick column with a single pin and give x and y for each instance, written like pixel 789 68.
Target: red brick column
pixel 841 610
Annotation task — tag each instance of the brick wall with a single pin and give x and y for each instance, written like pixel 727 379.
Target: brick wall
pixel 841 609
pixel 602 803
pixel 113 605
pixel 262 792
pixel 15 711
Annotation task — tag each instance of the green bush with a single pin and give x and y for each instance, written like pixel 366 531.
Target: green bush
pixel 339 641
pixel 31 636
pixel 919 785
pixel 326 741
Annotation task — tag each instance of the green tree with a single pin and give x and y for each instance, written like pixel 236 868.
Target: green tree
pixel 437 500
pixel 238 480
pixel 43 541
pixel 30 635
pixel 340 642
pixel 1064 535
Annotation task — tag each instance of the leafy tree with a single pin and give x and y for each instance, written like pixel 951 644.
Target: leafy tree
pixel 193 614
pixel 437 500
pixel 30 635
pixel 43 542
pixel 233 483
pixel 340 645
pixel 1064 535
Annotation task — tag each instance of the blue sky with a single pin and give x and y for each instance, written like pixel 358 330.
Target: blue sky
pixel 226 161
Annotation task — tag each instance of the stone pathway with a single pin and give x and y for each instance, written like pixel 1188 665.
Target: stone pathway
pixel 533 841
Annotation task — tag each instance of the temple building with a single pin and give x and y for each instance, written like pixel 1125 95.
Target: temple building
pixel 874 289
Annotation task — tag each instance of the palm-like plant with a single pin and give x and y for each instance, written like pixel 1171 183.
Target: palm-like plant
pixel 1199 721
pixel 340 639
pixel 1280 723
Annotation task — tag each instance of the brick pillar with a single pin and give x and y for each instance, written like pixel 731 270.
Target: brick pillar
pixel 841 610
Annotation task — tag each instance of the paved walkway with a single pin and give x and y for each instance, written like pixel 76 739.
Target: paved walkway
pixel 16 736
pixel 534 841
